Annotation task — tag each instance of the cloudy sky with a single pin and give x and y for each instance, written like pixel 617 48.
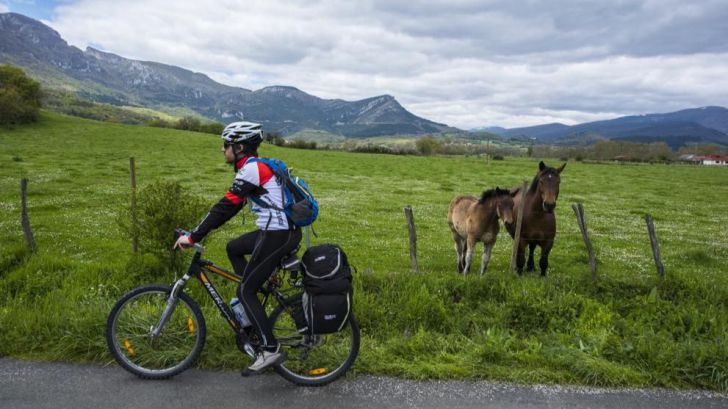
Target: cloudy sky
pixel 465 63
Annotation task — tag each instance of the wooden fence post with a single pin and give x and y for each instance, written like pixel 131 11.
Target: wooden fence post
pixel 134 221
pixel 519 224
pixel 581 221
pixel 24 220
pixel 655 246
pixel 412 236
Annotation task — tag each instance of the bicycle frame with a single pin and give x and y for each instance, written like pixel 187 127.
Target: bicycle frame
pixel 200 268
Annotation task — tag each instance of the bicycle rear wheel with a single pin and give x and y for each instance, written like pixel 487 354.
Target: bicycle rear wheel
pixel 128 333
pixel 317 360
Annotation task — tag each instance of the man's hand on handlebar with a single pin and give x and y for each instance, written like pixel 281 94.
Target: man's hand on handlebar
pixel 183 242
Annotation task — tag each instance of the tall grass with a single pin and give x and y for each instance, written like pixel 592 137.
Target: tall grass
pixel 628 328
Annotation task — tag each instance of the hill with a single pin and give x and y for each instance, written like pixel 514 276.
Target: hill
pixel 540 132
pixel 106 77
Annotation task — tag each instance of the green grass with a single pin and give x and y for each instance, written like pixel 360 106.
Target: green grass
pixel 627 329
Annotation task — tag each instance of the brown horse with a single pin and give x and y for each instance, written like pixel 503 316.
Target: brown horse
pixel 539 219
pixel 472 220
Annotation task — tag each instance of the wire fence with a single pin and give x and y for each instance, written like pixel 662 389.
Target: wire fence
pixel 609 232
pixel 621 237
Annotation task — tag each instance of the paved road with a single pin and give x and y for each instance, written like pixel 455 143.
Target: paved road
pixel 39 385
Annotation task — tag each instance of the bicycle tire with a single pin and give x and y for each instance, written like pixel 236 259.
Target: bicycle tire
pixel 176 348
pixel 337 350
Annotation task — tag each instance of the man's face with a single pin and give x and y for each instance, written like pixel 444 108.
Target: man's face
pixel 228 152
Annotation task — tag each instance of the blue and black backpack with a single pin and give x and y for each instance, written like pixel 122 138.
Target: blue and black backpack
pixel 299 205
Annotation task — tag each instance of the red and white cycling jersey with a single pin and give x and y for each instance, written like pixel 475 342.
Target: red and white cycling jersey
pixel 259 174
pixel 255 182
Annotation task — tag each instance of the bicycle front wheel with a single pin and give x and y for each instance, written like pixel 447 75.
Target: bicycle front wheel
pixel 313 360
pixel 174 349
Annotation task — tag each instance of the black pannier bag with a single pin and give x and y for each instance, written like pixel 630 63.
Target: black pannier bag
pixel 294 306
pixel 327 300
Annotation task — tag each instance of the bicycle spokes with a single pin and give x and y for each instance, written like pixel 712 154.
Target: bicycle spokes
pixel 153 334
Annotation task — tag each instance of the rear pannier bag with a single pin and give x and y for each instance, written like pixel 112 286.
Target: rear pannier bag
pixel 327 300
pixel 326 313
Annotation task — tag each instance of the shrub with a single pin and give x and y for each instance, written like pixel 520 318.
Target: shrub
pixel 19 96
pixel 428 145
pixel 274 138
pixel 214 128
pixel 188 123
pixel 159 123
pixel 161 207
pixel 299 143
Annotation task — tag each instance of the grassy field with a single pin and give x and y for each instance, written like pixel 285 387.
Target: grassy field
pixel 627 328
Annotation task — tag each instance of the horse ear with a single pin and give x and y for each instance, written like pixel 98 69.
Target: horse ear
pixel 541 166
pixel 560 168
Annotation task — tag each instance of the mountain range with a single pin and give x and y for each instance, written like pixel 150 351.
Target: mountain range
pixel 106 77
pixel 697 125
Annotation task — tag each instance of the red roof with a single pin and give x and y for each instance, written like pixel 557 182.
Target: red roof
pixel 712 157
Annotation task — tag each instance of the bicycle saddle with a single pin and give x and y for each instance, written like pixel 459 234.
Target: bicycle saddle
pixel 290 261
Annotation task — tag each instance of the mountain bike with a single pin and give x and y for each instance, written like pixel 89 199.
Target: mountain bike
pixel 157 331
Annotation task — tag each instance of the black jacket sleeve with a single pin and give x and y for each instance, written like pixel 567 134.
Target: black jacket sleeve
pixel 225 209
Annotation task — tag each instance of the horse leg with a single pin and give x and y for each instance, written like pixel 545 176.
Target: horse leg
pixel 460 250
pixel 530 265
pixel 470 246
pixel 521 256
pixel 544 261
pixel 487 248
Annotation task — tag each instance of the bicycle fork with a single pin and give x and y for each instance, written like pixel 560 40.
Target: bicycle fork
pixel 171 305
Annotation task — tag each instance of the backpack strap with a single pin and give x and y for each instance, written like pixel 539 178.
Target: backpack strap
pixel 280 180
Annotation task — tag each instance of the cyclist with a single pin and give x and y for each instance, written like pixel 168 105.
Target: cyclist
pixel 275 237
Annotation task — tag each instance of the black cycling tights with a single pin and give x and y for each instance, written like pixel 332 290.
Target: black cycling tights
pixel 266 248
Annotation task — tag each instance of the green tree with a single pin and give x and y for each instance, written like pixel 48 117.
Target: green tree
pixel 189 123
pixel 274 138
pixel 215 128
pixel 427 145
pixel 19 96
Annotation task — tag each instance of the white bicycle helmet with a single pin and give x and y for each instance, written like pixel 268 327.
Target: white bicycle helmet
pixel 242 132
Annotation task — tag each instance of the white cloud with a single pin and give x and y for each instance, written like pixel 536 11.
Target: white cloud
pixel 4 8
pixel 458 62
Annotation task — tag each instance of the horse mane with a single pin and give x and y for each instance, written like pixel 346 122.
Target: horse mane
pixel 534 184
pixel 490 194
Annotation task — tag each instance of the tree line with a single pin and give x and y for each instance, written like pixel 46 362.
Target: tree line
pixel 624 151
pixel 189 123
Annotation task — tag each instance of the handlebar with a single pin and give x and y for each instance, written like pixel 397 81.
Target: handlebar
pixel 181 232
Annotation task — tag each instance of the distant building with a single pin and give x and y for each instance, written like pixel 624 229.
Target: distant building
pixel 719 160
pixel 709 160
